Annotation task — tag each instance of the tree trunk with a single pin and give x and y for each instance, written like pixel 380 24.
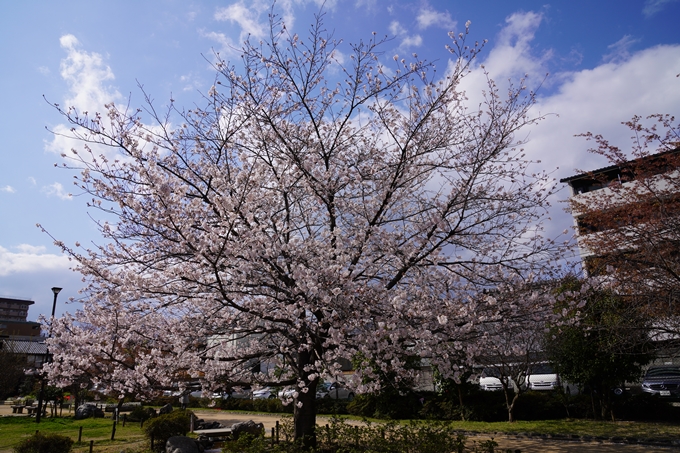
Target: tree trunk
pixel 510 404
pixel 304 414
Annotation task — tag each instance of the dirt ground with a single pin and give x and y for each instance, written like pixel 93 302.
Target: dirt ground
pixel 526 445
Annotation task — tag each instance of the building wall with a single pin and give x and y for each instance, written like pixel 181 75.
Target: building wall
pixel 14 309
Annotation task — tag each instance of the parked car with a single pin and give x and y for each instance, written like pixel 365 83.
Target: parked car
pixel 334 390
pixel 264 393
pixel 287 393
pixel 490 380
pixel 240 393
pixel 542 377
pixel 662 381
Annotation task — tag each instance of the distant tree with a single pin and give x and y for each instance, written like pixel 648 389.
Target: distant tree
pixel 511 346
pixel 13 367
pixel 296 221
pixel 631 226
pixel 606 346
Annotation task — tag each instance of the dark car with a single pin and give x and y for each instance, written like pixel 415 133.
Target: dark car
pixel 662 381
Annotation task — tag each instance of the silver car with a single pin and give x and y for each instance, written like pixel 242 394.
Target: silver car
pixel 662 381
pixel 334 390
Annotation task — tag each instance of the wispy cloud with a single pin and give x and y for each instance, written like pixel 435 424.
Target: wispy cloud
pixel 653 7
pixel 367 4
pixel 190 81
pixel 8 189
pixel 620 50
pixel 407 40
pixel 57 190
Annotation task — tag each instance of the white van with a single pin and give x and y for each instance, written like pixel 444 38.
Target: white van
pixel 541 376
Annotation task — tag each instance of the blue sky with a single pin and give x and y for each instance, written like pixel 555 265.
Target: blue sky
pixel 607 59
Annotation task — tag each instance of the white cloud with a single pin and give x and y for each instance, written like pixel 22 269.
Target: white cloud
pixel 8 189
pixel 508 57
pixel 57 190
pixel 253 19
pixel 596 99
pixel 32 180
pixel 246 16
pixel 654 6
pixel 30 249
pixel 411 41
pixel 29 259
pixel 86 75
pixel 429 17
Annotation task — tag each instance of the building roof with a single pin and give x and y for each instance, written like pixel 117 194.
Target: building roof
pixel 614 168
pixel 14 300
pixel 24 346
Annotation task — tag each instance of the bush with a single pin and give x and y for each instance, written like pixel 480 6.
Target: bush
pixel 45 443
pixel 331 406
pixel 273 405
pixel 541 405
pixel 163 427
pixel 645 407
pixel 141 414
pixel 387 405
pixel 477 405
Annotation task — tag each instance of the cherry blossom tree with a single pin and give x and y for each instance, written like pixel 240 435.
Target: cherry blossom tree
pixel 309 211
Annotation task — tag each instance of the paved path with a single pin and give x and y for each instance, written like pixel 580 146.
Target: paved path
pixel 526 445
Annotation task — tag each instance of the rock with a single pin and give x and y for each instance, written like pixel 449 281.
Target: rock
pixel 88 410
pixel 249 427
pixel 182 444
pixel 202 424
pixel 165 409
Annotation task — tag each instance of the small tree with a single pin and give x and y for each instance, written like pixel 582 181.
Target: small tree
pixel 295 220
pixel 607 346
pixel 511 346
pixel 12 366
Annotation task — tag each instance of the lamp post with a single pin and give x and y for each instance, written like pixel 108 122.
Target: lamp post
pixel 55 290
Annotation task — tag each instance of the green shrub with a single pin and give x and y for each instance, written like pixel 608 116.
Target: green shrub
pixel 540 405
pixel 165 426
pixel 141 414
pixel 45 443
pixel 389 405
pixel 331 406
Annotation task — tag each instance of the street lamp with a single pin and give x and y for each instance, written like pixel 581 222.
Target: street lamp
pixel 55 290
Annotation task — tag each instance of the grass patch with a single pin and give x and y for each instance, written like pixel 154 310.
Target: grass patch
pixel 131 438
pixel 14 429
pixel 593 428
